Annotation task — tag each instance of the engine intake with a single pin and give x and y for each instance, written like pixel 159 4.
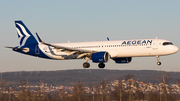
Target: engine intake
pixel 123 60
pixel 100 57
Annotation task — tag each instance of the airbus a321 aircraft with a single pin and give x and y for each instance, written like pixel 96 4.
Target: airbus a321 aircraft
pixel 121 51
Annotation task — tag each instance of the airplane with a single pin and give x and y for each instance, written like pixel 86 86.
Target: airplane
pixel 121 51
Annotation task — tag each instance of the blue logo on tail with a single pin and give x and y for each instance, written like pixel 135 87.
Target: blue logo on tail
pixel 24 35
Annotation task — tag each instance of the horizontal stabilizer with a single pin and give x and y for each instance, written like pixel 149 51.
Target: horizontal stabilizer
pixel 16 48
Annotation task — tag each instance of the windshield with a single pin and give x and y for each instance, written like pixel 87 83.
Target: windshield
pixel 167 43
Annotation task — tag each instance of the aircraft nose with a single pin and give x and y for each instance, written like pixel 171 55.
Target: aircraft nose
pixel 176 49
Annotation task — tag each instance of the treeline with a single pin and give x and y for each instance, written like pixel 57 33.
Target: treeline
pixel 69 77
pixel 99 92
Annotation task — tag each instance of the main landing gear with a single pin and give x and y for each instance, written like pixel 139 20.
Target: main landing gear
pixel 87 65
pixel 101 65
pixel 158 63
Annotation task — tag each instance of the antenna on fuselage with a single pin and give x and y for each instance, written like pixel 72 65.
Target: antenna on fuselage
pixel 108 38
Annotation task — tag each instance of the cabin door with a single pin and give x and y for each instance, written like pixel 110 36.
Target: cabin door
pixel 155 45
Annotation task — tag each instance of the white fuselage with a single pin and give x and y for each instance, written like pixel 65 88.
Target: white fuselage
pixel 121 48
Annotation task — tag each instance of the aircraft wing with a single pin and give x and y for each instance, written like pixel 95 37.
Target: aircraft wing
pixel 69 50
pixel 64 48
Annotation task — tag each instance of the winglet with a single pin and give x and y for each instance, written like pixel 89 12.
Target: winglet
pixel 39 38
pixel 41 41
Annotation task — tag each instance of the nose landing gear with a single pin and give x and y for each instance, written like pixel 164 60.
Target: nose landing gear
pixel 158 63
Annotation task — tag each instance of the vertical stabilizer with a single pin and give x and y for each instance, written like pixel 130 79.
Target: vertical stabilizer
pixel 24 35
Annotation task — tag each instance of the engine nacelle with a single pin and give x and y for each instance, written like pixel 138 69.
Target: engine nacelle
pixel 123 60
pixel 100 57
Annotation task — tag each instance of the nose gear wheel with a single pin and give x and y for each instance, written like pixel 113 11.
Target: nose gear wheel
pixel 158 63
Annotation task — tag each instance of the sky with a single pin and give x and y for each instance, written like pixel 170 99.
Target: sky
pixel 59 21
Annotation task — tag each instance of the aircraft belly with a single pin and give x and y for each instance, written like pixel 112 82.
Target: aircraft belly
pixel 135 52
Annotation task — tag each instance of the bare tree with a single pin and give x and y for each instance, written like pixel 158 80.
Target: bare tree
pixel 153 96
pixel 140 93
pixel 128 78
pixel 165 79
pixel 91 91
pixel 103 85
pixel 79 93
pixel 118 90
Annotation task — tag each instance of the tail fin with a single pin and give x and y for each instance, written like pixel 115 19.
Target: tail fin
pixel 24 35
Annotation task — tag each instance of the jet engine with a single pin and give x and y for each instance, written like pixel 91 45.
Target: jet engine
pixel 100 57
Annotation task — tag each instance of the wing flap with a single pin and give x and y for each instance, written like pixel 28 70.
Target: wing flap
pixel 64 48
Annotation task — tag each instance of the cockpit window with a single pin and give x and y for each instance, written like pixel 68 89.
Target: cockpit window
pixel 167 43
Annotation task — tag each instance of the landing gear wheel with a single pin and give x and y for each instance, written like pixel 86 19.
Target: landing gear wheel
pixel 101 65
pixel 86 65
pixel 158 63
